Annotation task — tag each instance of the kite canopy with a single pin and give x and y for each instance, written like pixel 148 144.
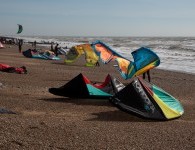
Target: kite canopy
pixel 144 59
pixel 10 69
pixel 105 52
pixel 146 100
pixel 83 49
pixel 82 87
pixel 138 97
pixel 74 53
pixel 20 29
pixel 33 53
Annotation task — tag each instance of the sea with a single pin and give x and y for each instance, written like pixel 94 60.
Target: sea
pixel 176 53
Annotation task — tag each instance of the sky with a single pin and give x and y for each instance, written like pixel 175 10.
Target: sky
pixel 98 17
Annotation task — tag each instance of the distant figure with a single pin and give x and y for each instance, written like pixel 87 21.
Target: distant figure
pixel 52 47
pixel 56 49
pixel 148 74
pixel 20 43
pixel 35 44
pixel 97 64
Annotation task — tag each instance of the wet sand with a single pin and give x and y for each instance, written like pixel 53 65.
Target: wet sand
pixel 46 121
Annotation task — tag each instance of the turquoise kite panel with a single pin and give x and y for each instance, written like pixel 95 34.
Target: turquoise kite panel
pixel 168 99
pixel 94 91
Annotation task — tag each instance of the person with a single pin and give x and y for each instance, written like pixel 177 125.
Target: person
pixel 56 49
pixel 148 74
pixel 52 47
pixel 35 44
pixel 20 42
pixel 97 63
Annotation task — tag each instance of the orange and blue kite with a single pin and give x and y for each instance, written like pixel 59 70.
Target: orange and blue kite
pixel 144 59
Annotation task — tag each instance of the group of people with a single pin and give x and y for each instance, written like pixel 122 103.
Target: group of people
pixel 34 45
pixel 54 49
pixel 148 74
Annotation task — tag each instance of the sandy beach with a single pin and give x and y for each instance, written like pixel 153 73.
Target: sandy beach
pixel 46 121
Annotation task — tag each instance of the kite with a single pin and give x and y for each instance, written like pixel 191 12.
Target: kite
pixel 139 97
pixel 47 54
pixel 84 49
pixel 20 29
pixel 144 59
pixel 105 52
pixel 10 69
pixel 146 100
pixel 81 87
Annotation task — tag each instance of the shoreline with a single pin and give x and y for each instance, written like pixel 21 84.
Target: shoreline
pixel 46 121
pixel 178 58
pixel 177 71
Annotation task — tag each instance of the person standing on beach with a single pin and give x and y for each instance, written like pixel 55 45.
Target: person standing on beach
pixel 35 44
pixel 20 42
pixel 56 49
pixel 148 74
pixel 52 47
pixel 97 64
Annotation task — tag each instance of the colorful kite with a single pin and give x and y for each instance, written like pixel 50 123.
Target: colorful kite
pixel 138 97
pixel 83 49
pixel 81 87
pixel 144 59
pixel 47 55
pixel 11 69
pixel 147 100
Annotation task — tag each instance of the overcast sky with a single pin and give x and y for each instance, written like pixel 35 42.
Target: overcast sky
pixel 98 17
